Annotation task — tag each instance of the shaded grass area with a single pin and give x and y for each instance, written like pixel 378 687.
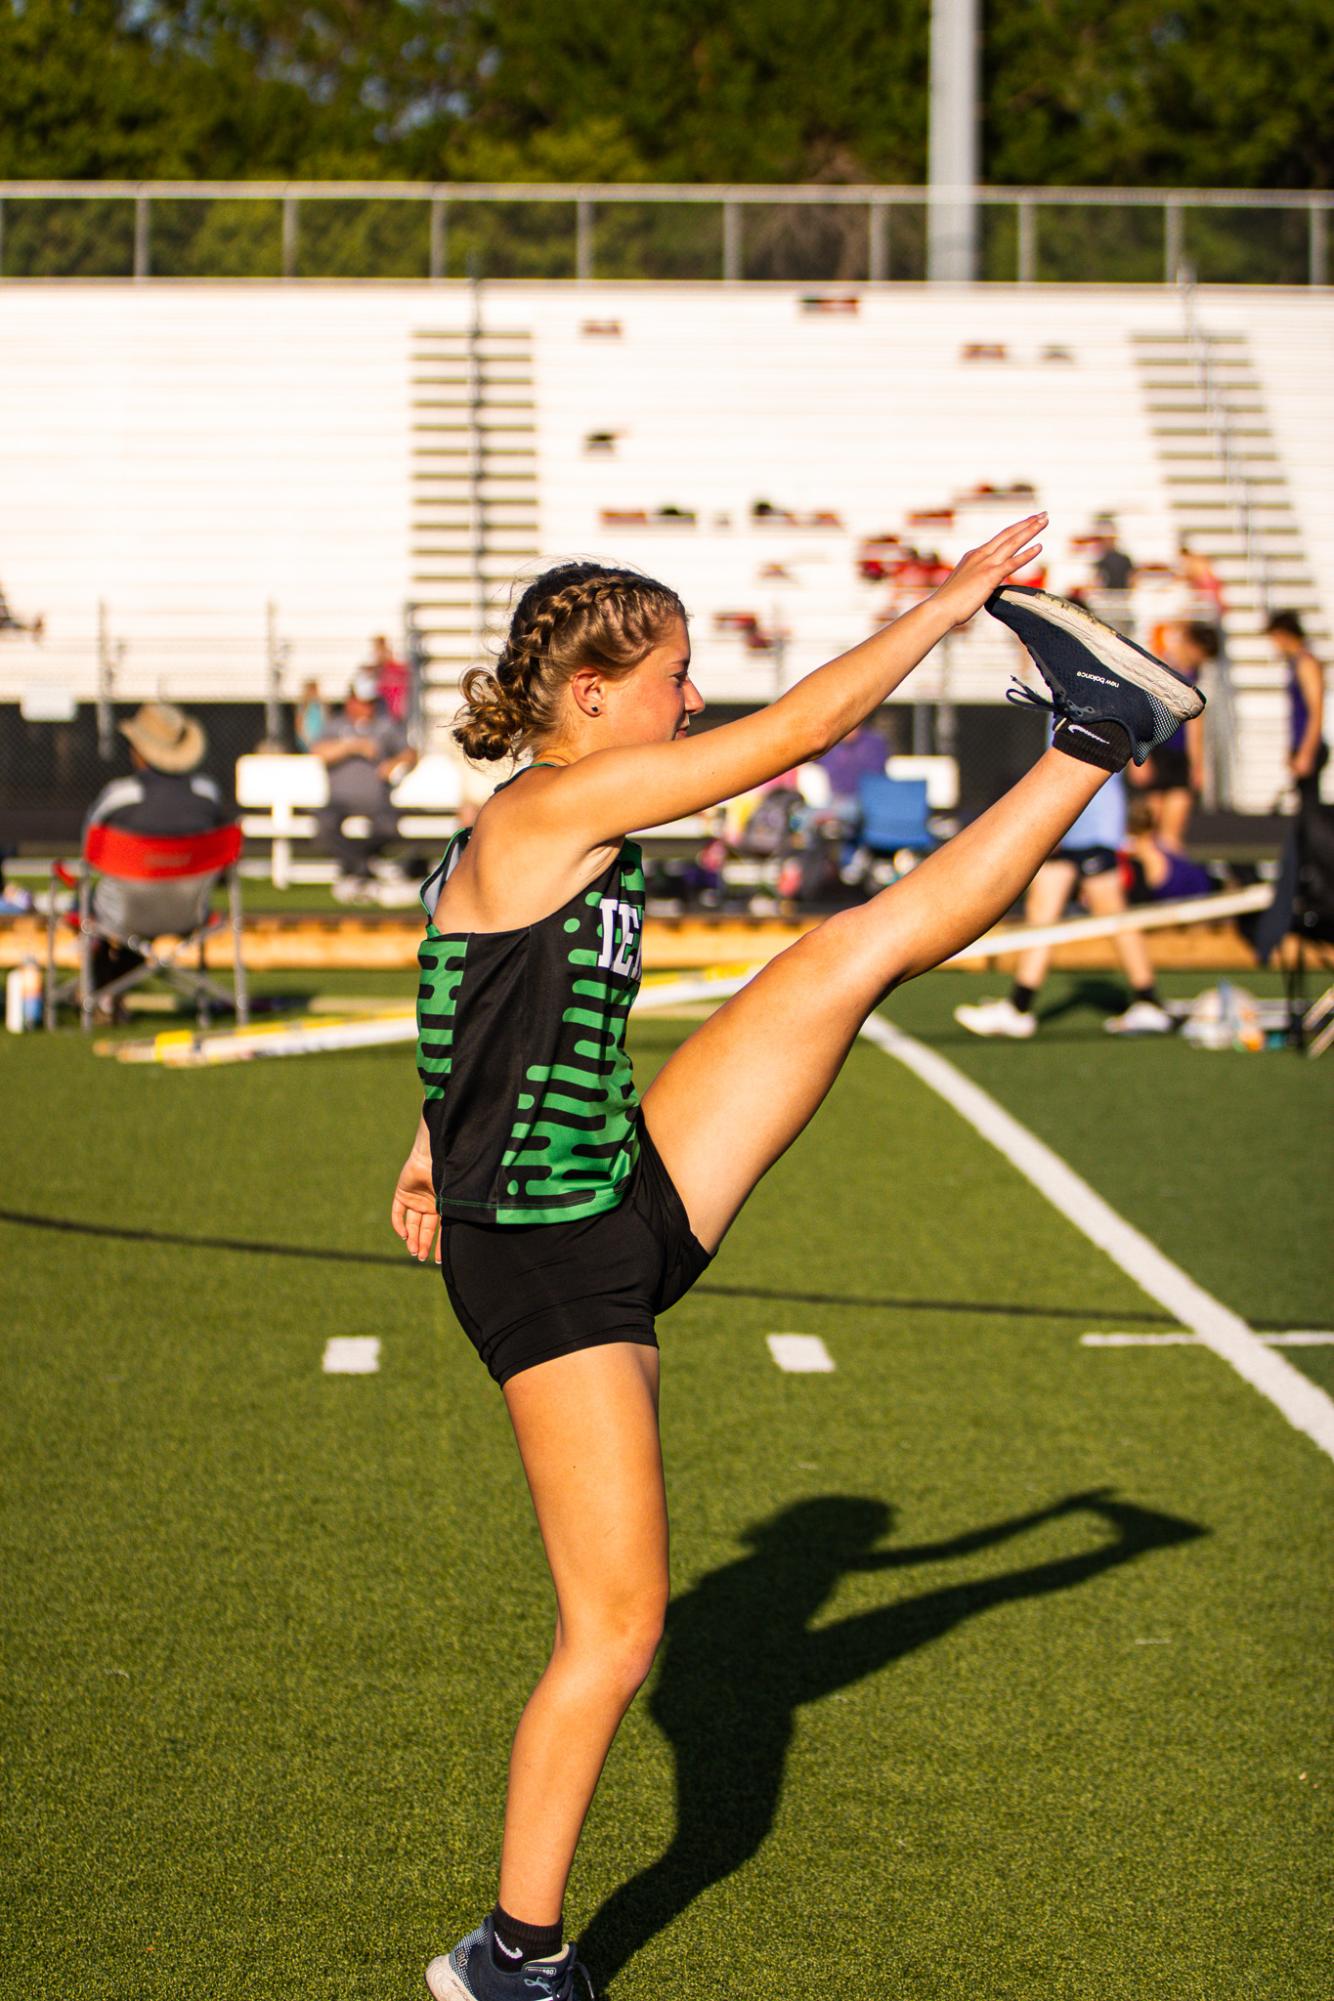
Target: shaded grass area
pixel 1220 1157
pixel 1006 1649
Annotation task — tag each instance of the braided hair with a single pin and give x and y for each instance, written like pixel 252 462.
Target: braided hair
pixel 575 615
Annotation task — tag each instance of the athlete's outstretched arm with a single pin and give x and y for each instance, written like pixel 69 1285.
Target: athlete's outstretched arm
pixel 612 792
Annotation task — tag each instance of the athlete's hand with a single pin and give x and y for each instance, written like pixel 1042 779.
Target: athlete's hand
pixel 414 1215
pixel 984 570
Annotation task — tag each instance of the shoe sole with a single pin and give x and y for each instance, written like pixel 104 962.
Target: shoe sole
pixel 1122 655
pixel 443 1984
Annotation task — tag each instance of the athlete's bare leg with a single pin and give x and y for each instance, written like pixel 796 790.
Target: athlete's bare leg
pixel 587 1427
pixel 737 1093
pixel 1106 898
pixel 1173 816
pixel 1048 894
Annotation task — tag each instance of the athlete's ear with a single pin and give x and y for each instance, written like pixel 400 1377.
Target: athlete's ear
pixel 587 688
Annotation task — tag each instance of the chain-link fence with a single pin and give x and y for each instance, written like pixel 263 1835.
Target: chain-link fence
pixel 50 772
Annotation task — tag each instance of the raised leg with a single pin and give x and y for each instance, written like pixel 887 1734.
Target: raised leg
pixel 587 1428
pixel 737 1093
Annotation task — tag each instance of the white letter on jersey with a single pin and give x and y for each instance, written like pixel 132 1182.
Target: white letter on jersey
pixel 619 953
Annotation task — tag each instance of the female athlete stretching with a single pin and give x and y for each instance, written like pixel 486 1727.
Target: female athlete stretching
pixel 569 1215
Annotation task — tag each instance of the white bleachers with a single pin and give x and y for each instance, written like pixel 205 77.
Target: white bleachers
pixel 187 454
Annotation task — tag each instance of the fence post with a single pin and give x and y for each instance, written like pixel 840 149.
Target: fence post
pixel 1172 241
pixel 291 226
pixel 277 651
pixel 108 658
pixel 1028 243
pixel 731 240
pixel 415 650
pixel 877 242
pixel 439 236
pixel 1318 267
pixel 141 248
pixel 583 239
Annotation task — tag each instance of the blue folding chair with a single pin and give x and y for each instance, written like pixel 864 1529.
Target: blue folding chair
pixel 894 814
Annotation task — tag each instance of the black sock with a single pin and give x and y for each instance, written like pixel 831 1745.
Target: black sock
pixel 1023 998
pixel 524 1941
pixel 1149 994
pixel 1105 744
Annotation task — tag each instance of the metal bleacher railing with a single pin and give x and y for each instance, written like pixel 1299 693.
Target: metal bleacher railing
pixel 853 234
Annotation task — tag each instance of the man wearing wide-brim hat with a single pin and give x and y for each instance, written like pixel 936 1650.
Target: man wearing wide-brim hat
pixel 166 793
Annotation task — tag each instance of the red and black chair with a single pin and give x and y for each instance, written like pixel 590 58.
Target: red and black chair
pixel 153 894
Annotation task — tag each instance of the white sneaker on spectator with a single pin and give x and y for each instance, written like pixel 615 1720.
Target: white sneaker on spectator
pixel 353 889
pixel 1141 1018
pixel 997 1017
pixel 399 895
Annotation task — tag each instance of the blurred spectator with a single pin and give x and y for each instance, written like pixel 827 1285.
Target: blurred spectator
pixel 1308 752
pixel 1201 579
pixel 1161 873
pixel 11 622
pixel 365 751
pixel 1173 778
pixel 1112 567
pixel 392 678
pixel 862 754
pixel 14 901
pixel 310 716
pixel 1086 864
pixel 166 793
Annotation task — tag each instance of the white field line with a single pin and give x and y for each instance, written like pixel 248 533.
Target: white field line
pixel 1298 1339
pixel 801 1354
pixel 351 1355
pixel 1302 1402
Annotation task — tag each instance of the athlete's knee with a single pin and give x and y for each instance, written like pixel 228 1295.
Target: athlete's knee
pixel 621 1637
pixel 861 962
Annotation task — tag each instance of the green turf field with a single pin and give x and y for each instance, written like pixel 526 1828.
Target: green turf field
pixel 1002 1655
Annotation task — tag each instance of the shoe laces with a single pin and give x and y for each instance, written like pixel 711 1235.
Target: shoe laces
pixel 1020 694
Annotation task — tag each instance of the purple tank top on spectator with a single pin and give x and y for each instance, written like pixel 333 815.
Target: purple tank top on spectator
pixel 1298 712
pixel 1183 878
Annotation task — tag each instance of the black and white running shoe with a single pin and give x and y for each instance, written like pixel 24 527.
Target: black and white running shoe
pixel 1094 674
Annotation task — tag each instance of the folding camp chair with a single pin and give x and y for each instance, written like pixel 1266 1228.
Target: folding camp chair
pixel 894 815
pixel 134 889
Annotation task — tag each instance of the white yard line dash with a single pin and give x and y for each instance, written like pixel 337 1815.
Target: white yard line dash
pixel 1305 1406
pixel 801 1354
pixel 1140 1341
pixel 352 1355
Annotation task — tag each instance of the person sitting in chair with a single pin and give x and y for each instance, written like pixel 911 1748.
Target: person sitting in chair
pixel 365 751
pixel 165 794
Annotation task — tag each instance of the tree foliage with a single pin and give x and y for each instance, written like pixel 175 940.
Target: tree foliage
pixel 1202 92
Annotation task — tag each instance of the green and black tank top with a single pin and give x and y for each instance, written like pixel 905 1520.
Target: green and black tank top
pixel 529 1098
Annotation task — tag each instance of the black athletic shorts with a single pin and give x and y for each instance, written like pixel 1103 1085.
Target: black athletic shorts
pixel 525 1293
pixel 1089 861
pixel 1169 770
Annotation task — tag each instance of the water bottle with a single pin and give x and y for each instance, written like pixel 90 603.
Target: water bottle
pixel 33 993
pixel 14 1000
pixel 23 997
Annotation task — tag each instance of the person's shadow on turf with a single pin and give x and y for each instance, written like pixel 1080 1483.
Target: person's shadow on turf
pixel 739 1659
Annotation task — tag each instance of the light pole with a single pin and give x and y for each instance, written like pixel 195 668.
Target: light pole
pixel 953 150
